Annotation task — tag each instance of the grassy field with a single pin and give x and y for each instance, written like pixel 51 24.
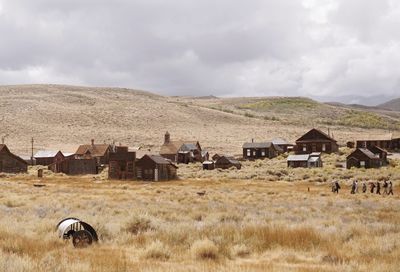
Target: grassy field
pixel 246 224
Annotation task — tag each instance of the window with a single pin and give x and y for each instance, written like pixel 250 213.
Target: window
pixel 323 147
pixel 248 152
pixel 362 163
pixel 263 153
pixel 304 148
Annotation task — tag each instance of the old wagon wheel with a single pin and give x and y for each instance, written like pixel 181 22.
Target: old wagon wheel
pixel 82 238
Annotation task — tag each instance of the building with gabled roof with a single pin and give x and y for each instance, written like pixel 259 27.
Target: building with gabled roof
pixel 372 157
pixel 305 160
pixel 226 162
pixel 260 150
pixel 155 168
pixel 101 152
pixel 122 164
pixel 47 157
pixel 181 151
pixel 316 140
pixel 11 163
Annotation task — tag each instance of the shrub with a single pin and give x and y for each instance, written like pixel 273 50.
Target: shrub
pixel 139 224
pixel 156 250
pixel 240 250
pixel 204 249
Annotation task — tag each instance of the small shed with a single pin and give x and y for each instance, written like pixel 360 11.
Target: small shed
pixel 208 165
pixel 47 157
pixel 10 163
pixel 226 162
pixel 363 158
pixel 155 168
pixel 260 150
pixel 305 160
pixel 122 164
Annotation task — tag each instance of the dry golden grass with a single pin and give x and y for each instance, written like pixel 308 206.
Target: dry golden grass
pixel 238 225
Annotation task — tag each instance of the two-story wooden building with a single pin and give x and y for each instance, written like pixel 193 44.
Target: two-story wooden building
pixel 122 164
pixel 316 140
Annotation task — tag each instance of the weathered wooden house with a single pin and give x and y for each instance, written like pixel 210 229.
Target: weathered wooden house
pixel 46 157
pixel 181 151
pixel 101 152
pixel 284 145
pixel 364 158
pixel 316 141
pixel 381 153
pixel 388 141
pixel 305 160
pixel 208 165
pixel 75 165
pixel 263 150
pixel 10 163
pixel 226 162
pixel 122 164
pixel 155 168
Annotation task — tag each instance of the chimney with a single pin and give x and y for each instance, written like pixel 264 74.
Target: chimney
pixel 92 141
pixel 166 138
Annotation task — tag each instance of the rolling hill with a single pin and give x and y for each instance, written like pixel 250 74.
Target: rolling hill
pixel 62 117
pixel 393 105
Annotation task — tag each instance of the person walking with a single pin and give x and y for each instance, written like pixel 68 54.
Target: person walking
pixel 356 187
pixel 364 187
pixel 353 188
pixel 385 187
pixel 337 187
pixel 390 188
pixel 372 187
pixel 378 188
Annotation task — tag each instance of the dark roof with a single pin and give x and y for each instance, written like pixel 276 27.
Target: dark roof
pixel 230 159
pixel 258 145
pixel 96 150
pixel 368 153
pixel 3 147
pixel 315 134
pixel 160 160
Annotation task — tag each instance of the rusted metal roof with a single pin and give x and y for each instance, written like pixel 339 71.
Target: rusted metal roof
pixel 96 150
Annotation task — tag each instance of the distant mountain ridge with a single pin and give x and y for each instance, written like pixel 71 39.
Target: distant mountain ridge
pixel 393 105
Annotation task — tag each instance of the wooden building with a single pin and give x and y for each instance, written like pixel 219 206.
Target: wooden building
pixel 305 160
pixel 263 150
pixel 181 151
pixel 316 141
pixel 388 141
pixel 10 163
pixel 208 165
pixel 226 162
pixel 364 158
pixel 101 152
pixel 155 168
pixel 75 165
pixel 46 157
pixel 122 164
pixel 284 145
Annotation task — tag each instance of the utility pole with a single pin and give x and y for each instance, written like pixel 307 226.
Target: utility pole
pixel 32 141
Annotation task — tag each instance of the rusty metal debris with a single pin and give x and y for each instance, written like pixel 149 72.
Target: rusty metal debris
pixel 82 233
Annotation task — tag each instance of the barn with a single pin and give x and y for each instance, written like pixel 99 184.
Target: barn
pixel 181 151
pixel 46 157
pixel 155 168
pixel 226 162
pixel 365 158
pixel 101 152
pixel 316 140
pixel 75 165
pixel 10 163
pixel 261 150
pixel 122 164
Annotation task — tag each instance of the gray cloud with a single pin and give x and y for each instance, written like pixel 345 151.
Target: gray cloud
pixel 263 47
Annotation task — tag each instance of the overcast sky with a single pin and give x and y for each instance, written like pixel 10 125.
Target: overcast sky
pixel 200 47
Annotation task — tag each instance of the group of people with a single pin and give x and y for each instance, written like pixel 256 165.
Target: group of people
pixel 375 187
